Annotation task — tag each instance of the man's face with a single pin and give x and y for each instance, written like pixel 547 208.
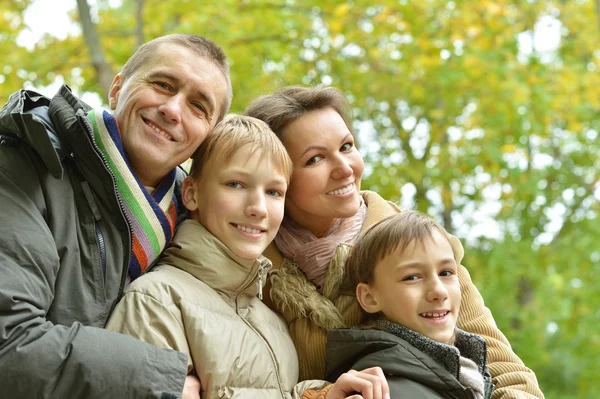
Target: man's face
pixel 418 288
pixel 240 202
pixel 166 108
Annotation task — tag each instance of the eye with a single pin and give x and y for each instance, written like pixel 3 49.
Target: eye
pixel 199 107
pixel 274 193
pixel 447 273
pixel 412 277
pixel 347 147
pixel 162 85
pixel 313 160
pixel 233 184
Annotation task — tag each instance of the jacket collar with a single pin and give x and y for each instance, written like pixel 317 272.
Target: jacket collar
pixel 466 344
pixel 196 251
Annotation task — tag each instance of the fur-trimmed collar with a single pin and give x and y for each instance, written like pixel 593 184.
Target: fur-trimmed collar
pixel 466 344
pixel 291 291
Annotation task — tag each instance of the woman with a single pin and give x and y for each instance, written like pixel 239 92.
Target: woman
pixel 325 212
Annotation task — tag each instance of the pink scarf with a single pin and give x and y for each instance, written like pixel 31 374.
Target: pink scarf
pixel 313 254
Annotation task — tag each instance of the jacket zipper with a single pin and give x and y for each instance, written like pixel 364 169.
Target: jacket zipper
pixel 102 247
pixel 262 271
pixel 83 121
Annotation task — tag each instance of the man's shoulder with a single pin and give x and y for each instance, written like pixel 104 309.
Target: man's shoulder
pixel 30 120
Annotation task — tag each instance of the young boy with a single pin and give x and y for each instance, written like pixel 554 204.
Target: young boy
pixel 405 272
pixel 202 298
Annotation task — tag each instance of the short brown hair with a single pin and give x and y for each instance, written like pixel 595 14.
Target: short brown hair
pixel 235 132
pixel 201 45
pixel 388 235
pixel 287 104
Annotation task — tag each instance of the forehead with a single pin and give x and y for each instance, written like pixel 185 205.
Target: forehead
pixel 244 158
pixel 426 250
pixel 316 127
pixel 186 64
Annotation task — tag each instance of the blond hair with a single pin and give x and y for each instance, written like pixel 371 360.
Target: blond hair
pixel 202 46
pixel 287 104
pixel 235 132
pixel 390 234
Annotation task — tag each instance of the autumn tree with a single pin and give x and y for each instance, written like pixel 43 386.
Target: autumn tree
pixel 462 112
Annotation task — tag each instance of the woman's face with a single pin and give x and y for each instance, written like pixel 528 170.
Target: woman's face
pixel 325 184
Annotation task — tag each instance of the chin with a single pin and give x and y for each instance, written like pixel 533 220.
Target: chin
pixel 348 212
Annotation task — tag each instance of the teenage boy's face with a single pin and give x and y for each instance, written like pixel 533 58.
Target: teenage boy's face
pixel 241 203
pixel 419 289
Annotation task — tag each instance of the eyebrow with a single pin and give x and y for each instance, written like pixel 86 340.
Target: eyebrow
pixel 413 265
pixel 245 173
pixel 318 147
pixel 170 76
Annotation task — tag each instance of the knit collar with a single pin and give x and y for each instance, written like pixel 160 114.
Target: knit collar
pixel 196 251
pixel 466 344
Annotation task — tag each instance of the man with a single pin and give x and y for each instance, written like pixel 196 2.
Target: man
pixel 87 204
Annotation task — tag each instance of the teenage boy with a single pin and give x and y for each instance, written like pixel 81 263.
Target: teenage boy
pixel 405 272
pixel 204 298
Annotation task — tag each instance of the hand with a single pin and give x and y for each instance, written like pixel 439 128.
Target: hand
pixel 191 388
pixel 366 384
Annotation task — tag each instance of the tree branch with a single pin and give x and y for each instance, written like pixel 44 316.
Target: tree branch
pixel 139 17
pixel 103 70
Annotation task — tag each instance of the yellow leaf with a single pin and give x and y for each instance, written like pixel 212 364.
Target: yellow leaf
pixel 509 148
pixel 341 10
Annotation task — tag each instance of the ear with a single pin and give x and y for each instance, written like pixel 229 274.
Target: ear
pixel 188 194
pixel 113 93
pixel 366 299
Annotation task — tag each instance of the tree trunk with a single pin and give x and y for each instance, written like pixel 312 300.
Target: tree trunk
pixel 139 17
pixel 104 72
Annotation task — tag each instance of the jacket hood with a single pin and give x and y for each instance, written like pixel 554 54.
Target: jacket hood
pixel 358 349
pixel 466 344
pixel 31 117
pixel 196 251
pixel 354 348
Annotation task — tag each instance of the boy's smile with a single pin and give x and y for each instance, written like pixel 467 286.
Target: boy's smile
pixel 241 203
pixel 419 288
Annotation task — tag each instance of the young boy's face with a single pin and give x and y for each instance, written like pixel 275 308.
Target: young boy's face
pixel 417 288
pixel 241 202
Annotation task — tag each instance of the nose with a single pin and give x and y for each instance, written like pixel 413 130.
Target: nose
pixel 256 206
pixel 436 290
pixel 171 109
pixel 342 168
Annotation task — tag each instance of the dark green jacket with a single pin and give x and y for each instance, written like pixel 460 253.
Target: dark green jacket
pixel 415 367
pixel 64 251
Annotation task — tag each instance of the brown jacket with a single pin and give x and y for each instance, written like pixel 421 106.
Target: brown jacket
pixel 310 314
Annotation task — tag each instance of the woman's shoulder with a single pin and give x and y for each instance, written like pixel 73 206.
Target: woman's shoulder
pixel 378 208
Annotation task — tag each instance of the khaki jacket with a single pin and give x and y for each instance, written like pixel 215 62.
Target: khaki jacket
pixel 202 300
pixel 310 314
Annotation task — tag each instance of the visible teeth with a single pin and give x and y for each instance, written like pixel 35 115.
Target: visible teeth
pixel 161 132
pixel 434 314
pixel 248 229
pixel 342 190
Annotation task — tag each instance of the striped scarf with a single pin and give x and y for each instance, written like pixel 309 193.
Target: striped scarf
pixel 151 217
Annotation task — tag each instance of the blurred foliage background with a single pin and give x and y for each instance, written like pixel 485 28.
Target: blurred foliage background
pixel 481 113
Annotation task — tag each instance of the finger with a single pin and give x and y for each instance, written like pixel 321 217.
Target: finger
pixel 348 383
pixel 378 371
pixel 377 378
